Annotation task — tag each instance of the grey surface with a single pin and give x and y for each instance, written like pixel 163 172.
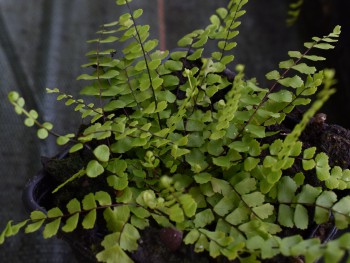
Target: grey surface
pixel 42 44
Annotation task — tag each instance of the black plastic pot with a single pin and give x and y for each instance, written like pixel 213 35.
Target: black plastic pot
pixel 37 195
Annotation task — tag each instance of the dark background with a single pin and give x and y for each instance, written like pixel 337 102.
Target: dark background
pixel 42 44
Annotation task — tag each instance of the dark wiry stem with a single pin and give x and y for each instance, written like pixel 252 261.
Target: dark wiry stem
pixel 146 62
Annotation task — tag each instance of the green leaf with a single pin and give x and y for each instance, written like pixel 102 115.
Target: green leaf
pixel 140 212
pixel 324 46
pixel 42 133
pixel 253 199
pixel 148 46
pixel 103 198
pixel 62 140
pixel 250 163
pixel 29 122
pixel 34 226
pixel 188 204
pixel 109 39
pixel 263 211
pixel 109 74
pixel 117 166
pixel 203 218
pixel 176 152
pixel 294 82
pixel 148 198
pixel 122 145
pixel 47 125
pixel 197 160
pixel 76 147
pixel 286 189
pixel 173 65
pixel 314 57
pixel 308 247
pixel 86 77
pixel 137 13
pixel 309 153
pixel 116 217
pixel 332 183
pixel 129 237
pixel 281 96
pixel 140 223
pixel 245 186
pixel 322 166
pixel 37 215
pixel 344 240
pixel 270 161
pixel 294 54
pixel 301 217
pixel 308 194
pixel 201 244
pixel 192 236
pixel 197 54
pixel 102 153
pixel 214 249
pixel 225 205
pixel 89 202
pixel 73 206
pixel 289 242
pixel 89 220
pixel 51 228
pixel 202 178
pixel 341 212
pixel 118 183
pixel 54 212
pixel 11 230
pixel 285 215
pixel 255 130
pixel 34 114
pixel 169 81
pixel 308 164
pixel 94 169
pixel 323 205
pixel 113 254
pixel 71 223
pixel 239 146
pixel 305 69
pixel 313 253
pixel 220 238
pixel 13 96
pixel 275 75
pixel 220 186
pixel 176 214
pixel 276 147
pixel 299 178
pixel 333 253
pixel 301 101
pixel 286 64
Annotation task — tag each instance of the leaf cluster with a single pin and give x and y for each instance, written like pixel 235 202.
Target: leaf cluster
pixel 185 142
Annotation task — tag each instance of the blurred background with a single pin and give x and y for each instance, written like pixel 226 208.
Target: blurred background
pixel 43 42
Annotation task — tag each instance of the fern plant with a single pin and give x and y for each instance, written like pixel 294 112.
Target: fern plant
pixel 179 141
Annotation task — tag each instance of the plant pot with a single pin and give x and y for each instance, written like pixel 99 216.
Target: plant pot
pixel 37 195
